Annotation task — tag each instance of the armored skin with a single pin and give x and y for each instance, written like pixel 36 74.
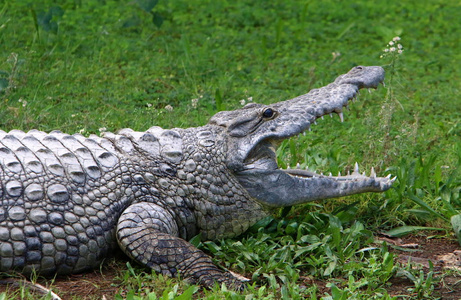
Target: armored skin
pixel 68 200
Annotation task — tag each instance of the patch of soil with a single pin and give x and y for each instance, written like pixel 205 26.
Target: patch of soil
pixel 443 253
pixel 96 284
pixel 92 285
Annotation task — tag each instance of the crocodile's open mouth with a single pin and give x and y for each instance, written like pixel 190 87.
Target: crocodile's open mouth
pixel 263 157
pixel 276 187
pixel 265 181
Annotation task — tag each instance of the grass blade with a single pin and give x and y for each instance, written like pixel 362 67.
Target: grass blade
pixel 404 230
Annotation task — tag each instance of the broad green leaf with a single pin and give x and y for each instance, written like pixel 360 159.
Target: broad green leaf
pixel 426 206
pixel 3 84
pixel 420 213
pixel 331 267
pixel 347 213
pixel 456 224
pixel 152 296
pixel 147 5
pixel 291 228
pixel 132 21
pixel 196 240
pixel 404 230
pixel 261 223
pixel 212 246
pixel 188 293
pixel 56 11
pixel 157 19
pixel 311 239
pixel 337 293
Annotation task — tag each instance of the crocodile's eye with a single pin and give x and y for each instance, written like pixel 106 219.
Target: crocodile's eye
pixel 268 113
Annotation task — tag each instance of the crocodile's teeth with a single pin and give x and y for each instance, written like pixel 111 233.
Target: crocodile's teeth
pixel 373 173
pixel 322 117
pixel 315 122
pixel 389 176
pixel 339 174
pixel 393 179
pixel 330 175
pixel 369 91
pixel 331 115
pixel 298 166
pixel 288 167
pixel 356 169
pixel 348 173
pixel 341 116
pixel 364 174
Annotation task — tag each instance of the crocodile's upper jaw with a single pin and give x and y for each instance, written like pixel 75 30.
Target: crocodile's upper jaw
pixel 255 132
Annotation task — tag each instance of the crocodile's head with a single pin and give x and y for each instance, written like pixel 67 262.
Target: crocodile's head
pixel 255 131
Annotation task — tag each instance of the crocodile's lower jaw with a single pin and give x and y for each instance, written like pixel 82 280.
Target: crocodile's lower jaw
pixel 279 187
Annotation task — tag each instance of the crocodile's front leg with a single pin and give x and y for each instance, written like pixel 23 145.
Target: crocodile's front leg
pixel 148 233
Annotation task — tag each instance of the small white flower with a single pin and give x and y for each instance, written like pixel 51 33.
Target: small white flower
pixel 395 39
pixel 149 104
pixel 392 49
pixel 391 43
pixel 81 131
pixel 24 102
pixel 169 107
pixel 242 102
pixel 73 115
pixel 386 50
pixel 194 102
pixel 399 51
pixel 400 46
pixel 102 129
pixel 250 99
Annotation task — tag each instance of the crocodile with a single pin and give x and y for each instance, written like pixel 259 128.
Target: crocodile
pixel 67 201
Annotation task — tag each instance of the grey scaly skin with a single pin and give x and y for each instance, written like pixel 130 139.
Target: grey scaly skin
pixel 68 200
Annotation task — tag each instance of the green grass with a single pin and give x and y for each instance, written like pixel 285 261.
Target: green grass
pixel 79 66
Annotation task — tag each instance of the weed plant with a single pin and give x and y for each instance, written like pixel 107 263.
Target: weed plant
pixel 93 66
